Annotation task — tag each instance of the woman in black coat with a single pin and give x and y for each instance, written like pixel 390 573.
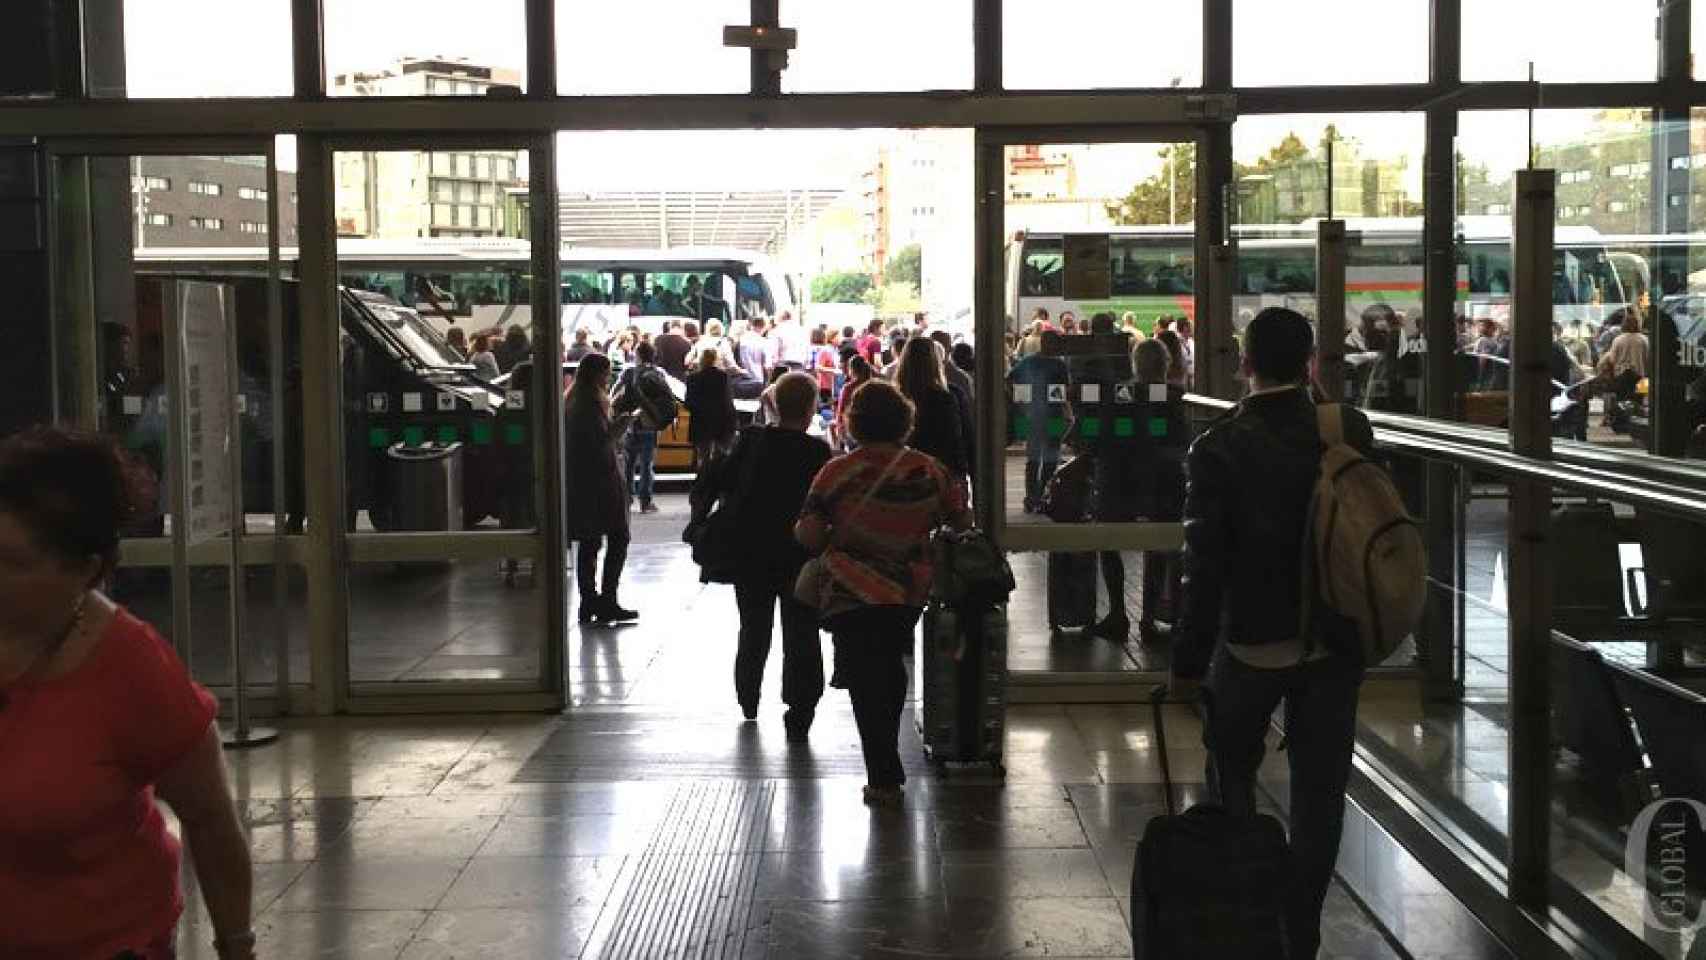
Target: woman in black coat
pixel 597 495
pixel 941 418
pixel 710 409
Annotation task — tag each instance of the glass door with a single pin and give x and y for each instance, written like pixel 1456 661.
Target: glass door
pixel 448 383
pixel 1089 296
pixel 169 337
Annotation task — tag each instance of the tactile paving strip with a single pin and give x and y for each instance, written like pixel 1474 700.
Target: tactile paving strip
pixel 690 894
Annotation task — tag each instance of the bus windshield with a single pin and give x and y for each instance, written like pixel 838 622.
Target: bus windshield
pixel 420 340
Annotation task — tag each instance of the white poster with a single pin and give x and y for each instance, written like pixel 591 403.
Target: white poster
pixel 203 328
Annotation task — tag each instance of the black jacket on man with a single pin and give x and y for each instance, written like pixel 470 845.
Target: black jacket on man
pixel 1249 481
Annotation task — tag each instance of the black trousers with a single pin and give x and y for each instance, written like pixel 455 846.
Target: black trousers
pixel 802 650
pixel 870 648
pixel 1320 728
pixel 586 565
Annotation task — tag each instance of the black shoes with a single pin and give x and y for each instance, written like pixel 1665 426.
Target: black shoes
pixel 1116 627
pixel 601 610
pixel 798 724
pixel 749 710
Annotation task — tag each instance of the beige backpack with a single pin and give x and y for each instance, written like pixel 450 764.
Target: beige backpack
pixel 1363 554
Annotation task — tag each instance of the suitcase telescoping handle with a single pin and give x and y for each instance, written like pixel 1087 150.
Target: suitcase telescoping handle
pixel 1157 697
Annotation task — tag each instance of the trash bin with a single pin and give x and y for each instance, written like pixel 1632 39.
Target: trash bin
pixel 426 486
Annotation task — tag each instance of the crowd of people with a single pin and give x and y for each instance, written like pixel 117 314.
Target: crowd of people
pixel 836 535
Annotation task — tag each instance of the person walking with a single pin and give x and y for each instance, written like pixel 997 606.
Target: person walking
pixel 869 514
pixel 1251 479
pixel 767 476
pixel 942 416
pixel 710 409
pixel 100 720
pixel 596 498
pixel 643 392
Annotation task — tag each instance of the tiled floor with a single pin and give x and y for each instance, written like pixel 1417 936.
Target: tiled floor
pixel 651 821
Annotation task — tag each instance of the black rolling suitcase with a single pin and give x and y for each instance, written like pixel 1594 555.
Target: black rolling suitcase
pixel 1207 884
pixel 1071 590
pixel 962 712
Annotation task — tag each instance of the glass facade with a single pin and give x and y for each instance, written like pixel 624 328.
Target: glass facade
pixel 1082 227
pixel 1045 47
pixel 1314 42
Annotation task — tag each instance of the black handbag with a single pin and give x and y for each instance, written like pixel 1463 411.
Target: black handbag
pixel 716 538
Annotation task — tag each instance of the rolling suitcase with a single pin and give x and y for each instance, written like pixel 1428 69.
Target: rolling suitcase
pixel 1207 884
pixel 962 712
pixel 1071 590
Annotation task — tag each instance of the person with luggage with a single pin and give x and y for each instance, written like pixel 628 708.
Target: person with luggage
pixel 644 392
pixel 764 481
pixel 596 497
pixel 869 515
pixel 1252 479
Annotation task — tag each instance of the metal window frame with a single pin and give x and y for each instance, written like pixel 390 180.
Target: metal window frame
pixel 345 548
pixel 70 258
pixel 988 107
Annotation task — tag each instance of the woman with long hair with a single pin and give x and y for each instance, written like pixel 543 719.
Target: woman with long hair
pixel 597 498
pixel 941 415
pixel 1175 357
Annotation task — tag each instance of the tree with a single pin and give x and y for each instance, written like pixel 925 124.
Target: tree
pixel 1168 196
pixel 906 266
pixel 844 287
pixel 892 299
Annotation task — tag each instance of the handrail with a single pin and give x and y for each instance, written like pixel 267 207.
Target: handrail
pixel 1641 464
pixel 1428 439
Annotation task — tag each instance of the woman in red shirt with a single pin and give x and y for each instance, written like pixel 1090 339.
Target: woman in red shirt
pixel 97 716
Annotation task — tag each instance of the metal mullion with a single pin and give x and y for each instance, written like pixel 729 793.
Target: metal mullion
pixel 541 27
pixel 323 462
pixel 308 49
pixel 157 552
pixel 1122 132
pixel 396 142
pixel 431 116
pixel 548 413
pixel 988 281
pixel 173 145
pixel 404 547
pixel 986 46
pixel 1078 537
pixel 280 485
pixel 443 696
pixel 1530 607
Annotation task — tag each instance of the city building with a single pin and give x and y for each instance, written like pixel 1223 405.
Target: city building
pixel 410 194
pixel 208 202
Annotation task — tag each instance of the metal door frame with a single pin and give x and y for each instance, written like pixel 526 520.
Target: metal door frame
pixel 76 375
pixel 990 283
pixel 336 549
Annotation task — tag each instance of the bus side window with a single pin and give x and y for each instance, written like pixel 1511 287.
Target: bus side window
pixel 1041 273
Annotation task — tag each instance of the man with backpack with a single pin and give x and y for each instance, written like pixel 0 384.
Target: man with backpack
pixel 1250 604
pixel 644 392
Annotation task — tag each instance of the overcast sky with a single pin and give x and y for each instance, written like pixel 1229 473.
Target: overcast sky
pixel 241 48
